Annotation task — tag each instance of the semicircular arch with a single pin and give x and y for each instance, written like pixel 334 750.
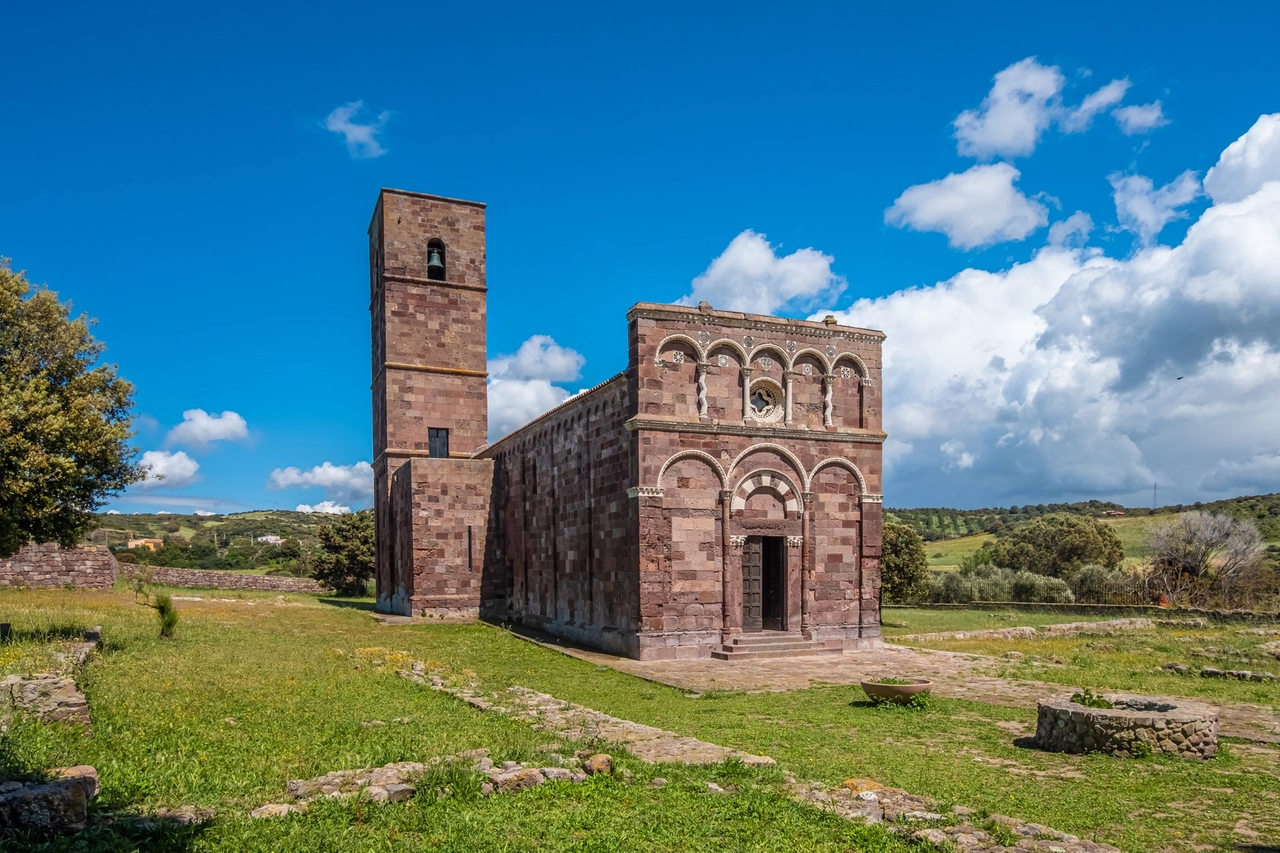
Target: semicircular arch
pixel 766 479
pixel 694 454
pixel 697 348
pixel 776 448
pixel 839 462
pixel 858 363
pixel 821 358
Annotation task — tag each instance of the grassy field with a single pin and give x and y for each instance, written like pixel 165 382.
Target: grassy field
pixel 1131 661
pixel 255 692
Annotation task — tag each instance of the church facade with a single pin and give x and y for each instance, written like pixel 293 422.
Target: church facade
pixel 723 489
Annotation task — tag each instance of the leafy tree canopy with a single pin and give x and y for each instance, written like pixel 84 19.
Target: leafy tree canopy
pixel 347 557
pixel 1057 545
pixel 64 419
pixel 904 566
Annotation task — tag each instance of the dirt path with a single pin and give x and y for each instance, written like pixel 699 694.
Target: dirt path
pixel 955 676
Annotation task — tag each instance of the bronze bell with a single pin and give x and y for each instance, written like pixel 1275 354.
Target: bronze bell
pixel 434 264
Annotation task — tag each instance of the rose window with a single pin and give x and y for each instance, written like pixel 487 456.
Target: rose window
pixel 764 403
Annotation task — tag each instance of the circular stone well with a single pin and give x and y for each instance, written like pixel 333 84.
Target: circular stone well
pixel 1136 726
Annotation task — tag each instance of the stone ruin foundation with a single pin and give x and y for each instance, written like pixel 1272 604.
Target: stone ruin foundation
pixel 1137 726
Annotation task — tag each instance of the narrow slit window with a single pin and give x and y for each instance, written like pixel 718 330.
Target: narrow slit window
pixel 438 443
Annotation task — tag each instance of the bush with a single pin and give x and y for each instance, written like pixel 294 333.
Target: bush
pixel 1096 584
pixel 1058 545
pixel 986 582
pixel 904 567
pixel 347 560
pixel 1028 586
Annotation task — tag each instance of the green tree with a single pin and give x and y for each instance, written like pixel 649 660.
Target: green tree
pixel 347 557
pixel 1058 544
pixel 904 566
pixel 64 419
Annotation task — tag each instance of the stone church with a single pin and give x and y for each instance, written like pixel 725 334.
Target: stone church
pixel 719 497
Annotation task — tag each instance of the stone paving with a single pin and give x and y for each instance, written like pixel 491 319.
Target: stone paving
pixel 955 676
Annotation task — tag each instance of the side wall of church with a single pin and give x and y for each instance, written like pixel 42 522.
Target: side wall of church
pixel 805 466
pixel 562 544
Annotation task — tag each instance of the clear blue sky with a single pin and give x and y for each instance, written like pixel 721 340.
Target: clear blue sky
pixel 169 171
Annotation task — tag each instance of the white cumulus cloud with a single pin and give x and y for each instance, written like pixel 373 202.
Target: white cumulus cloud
pixel 324 507
pixel 749 275
pixel 199 428
pixel 1025 101
pixel 1072 231
pixel 1076 375
pixel 361 139
pixel 520 384
pixel 340 482
pixel 1141 118
pixel 975 208
pixel 1247 164
pixel 171 470
pixel 1145 210
pixel 539 357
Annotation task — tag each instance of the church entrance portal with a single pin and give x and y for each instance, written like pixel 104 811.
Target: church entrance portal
pixel 764 573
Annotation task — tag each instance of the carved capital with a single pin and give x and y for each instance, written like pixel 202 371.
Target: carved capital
pixel 747 371
pixel 866 380
pixel 807 497
pixel 726 495
pixel 737 542
pixel 795 541
pixel 645 492
pixel 872 499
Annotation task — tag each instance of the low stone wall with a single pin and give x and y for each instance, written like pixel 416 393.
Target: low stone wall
pixel 1135 727
pixel 215 579
pixel 50 565
pixel 1068 629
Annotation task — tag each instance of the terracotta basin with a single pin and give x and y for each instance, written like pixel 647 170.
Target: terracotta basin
pixel 899 693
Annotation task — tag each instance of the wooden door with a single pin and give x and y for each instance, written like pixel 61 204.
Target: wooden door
pixel 752 584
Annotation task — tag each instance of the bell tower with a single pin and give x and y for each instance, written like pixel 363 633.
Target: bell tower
pixel 430 402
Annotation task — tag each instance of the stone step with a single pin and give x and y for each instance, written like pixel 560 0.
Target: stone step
pixel 777 645
pixel 766 638
pixel 729 653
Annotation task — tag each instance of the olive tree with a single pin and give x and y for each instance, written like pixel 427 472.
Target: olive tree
pixel 64 419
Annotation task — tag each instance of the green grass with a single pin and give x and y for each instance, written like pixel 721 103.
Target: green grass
pixel 298 678
pixel 1132 661
pixel 898 621
pixel 946 553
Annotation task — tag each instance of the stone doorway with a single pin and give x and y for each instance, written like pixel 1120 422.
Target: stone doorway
pixel 764 579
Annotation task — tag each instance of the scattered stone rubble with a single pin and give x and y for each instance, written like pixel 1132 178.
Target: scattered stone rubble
pixel 58 805
pixel 1136 726
pixel 920 819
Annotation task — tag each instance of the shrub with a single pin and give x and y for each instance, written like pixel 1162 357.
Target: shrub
pixel 1027 586
pixel 346 562
pixel 1094 584
pixel 950 588
pixel 1058 544
pixel 904 567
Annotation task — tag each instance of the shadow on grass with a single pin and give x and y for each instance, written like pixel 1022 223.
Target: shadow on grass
pixel 48 634
pixel 351 603
pixel 117 833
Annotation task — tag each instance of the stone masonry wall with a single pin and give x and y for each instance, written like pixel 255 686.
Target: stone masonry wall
pixel 562 547
pixel 808 468
pixel 440 544
pixel 214 579
pixel 49 565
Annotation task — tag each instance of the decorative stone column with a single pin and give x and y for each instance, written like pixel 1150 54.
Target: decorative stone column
pixel 828 385
pixel 727 623
pixel 795 584
pixel 787 375
pixel 746 394
pixel 702 389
